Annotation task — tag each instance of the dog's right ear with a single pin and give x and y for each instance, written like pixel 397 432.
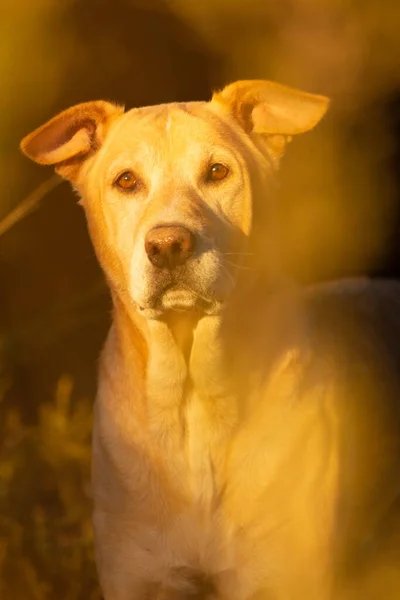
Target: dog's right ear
pixel 272 111
pixel 72 136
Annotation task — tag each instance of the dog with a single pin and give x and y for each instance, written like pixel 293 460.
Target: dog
pixel 246 440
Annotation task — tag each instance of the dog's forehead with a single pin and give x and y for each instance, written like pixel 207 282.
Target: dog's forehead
pixel 168 116
pixel 179 124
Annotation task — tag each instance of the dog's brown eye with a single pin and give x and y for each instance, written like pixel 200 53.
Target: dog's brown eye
pixel 126 181
pixel 217 172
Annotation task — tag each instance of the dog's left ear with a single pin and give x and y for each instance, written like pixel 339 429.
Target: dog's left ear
pixel 271 109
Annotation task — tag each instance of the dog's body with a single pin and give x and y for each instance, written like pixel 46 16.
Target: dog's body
pixel 247 434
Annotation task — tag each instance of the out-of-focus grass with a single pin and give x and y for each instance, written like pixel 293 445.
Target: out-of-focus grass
pixel 34 51
pixel 303 40
pixel 46 548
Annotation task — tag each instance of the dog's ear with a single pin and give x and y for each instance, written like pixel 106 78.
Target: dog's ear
pixel 272 109
pixel 70 137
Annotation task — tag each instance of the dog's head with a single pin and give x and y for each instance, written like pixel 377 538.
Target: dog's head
pixel 168 189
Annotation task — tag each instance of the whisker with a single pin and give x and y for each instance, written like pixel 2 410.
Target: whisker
pixel 238 253
pixel 228 273
pixel 243 267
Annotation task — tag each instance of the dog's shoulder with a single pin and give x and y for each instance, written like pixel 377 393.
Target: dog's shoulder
pixel 353 327
pixel 355 314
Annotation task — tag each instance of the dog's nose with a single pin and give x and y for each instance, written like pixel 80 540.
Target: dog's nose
pixel 168 246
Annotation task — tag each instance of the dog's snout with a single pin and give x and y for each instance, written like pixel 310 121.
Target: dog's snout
pixel 169 246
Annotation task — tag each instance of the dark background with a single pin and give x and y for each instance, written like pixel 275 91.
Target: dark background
pixel 339 201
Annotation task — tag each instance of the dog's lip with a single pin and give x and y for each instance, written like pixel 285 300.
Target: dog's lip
pixel 192 303
pixel 159 314
pixel 179 298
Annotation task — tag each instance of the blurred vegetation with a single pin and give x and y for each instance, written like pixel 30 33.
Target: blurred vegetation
pixel 339 202
pixel 45 524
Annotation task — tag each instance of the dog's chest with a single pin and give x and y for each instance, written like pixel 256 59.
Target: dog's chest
pixel 197 532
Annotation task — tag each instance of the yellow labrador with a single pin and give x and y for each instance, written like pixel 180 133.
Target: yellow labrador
pixel 247 434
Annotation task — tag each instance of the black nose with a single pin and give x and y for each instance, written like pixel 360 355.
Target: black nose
pixel 169 246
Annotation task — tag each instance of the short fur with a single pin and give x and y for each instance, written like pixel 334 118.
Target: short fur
pixel 246 433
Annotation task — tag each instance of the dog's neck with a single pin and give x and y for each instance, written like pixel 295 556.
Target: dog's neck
pixel 178 351
pixel 207 352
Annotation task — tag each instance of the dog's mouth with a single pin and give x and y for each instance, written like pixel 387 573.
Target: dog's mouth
pixel 179 298
pixel 201 286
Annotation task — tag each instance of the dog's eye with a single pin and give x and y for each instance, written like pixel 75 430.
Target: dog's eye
pixel 126 181
pixel 217 172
